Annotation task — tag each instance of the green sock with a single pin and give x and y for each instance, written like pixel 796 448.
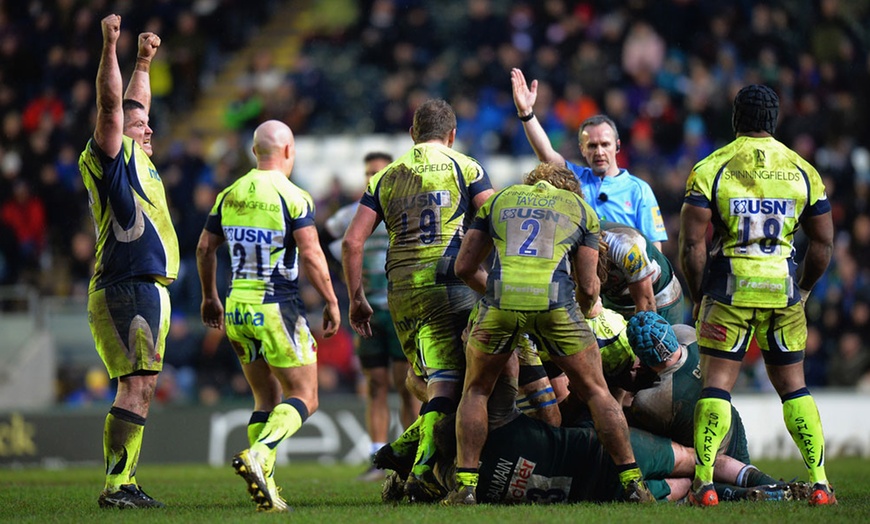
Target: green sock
pixel 408 440
pixel 629 472
pixel 256 425
pixel 467 477
pixel 803 422
pixel 122 441
pixel 427 442
pixel 712 421
pixel 283 422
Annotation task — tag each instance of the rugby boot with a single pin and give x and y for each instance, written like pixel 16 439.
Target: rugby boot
pixel 704 496
pixel 423 486
pixel 250 465
pixel 128 496
pixel 386 458
pixel 393 489
pixel 822 495
pixel 638 492
pixel 461 496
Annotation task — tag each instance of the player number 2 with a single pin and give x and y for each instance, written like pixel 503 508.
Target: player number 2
pixel 533 227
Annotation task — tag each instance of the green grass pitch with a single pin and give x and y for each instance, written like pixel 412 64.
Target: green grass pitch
pixel 331 495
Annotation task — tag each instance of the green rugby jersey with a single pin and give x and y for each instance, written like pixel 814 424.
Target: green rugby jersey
pixel 633 257
pixel 668 408
pixel 530 461
pixel 536 230
pixel 257 216
pixel 757 190
pixel 135 235
pixel 425 200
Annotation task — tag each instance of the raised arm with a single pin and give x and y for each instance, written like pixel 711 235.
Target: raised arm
pixel 139 88
pixel 109 129
pixel 524 100
pixel 313 263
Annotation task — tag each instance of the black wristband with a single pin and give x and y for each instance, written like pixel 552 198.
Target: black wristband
pixel 526 118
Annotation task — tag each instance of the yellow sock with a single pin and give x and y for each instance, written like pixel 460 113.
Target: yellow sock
pixel 408 439
pixel 256 425
pixel 427 441
pixel 803 422
pixel 122 441
pixel 467 477
pixel 283 422
pixel 712 421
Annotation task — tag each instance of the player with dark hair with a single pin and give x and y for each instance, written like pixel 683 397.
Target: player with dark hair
pixel 613 193
pixel 268 224
pixel 137 257
pixel 756 193
pixel 380 356
pixel 542 283
pixel 426 199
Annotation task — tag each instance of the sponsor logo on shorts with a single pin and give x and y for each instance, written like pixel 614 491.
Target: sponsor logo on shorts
pixel 408 324
pixel 237 318
pixel 713 332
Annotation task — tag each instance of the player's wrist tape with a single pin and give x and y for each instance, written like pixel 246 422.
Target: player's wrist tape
pixel 143 65
pixel 527 117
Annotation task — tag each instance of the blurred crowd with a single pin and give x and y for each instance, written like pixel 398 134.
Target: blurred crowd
pixel 666 71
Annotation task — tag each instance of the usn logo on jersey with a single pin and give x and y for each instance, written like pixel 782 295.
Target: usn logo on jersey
pixel 747 207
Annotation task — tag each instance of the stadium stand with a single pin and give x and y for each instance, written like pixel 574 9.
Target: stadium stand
pixel 352 73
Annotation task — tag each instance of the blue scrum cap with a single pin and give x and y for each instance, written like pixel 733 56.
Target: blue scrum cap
pixel 651 337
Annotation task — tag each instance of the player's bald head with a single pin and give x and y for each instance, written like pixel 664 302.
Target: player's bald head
pixel 271 137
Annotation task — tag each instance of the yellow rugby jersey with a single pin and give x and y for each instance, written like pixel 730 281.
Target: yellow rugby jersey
pixel 257 215
pixel 135 235
pixel 425 200
pixel 757 189
pixel 536 230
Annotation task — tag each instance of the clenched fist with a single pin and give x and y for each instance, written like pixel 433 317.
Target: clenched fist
pixel 111 29
pixel 148 44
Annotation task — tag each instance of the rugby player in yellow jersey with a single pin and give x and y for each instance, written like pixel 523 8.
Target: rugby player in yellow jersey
pixel 426 199
pixel 545 236
pixel 756 192
pixel 136 258
pixel 268 224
